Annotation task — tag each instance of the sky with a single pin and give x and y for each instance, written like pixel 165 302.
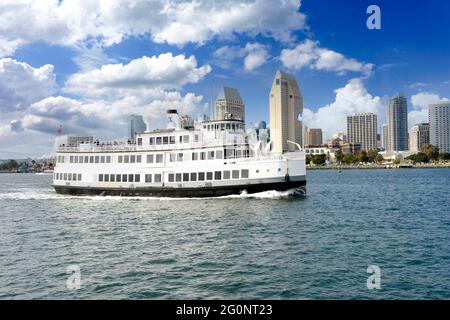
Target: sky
pixel 87 65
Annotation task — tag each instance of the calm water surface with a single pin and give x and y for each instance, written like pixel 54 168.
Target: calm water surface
pixel 260 247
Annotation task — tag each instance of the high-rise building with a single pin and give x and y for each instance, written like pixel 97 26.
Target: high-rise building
pixel 398 123
pixel 362 129
pixel 378 141
pixel 135 124
pixel 304 130
pixel 418 136
pixel 350 148
pixel 286 108
pixel 384 136
pixel 313 137
pixel 229 105
pixel 439 117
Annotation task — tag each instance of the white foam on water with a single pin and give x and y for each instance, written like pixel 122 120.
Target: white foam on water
pixel 271 194
pixel 28 194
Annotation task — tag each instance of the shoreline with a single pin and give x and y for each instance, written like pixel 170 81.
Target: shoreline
pixel 372 167
pixel 346 167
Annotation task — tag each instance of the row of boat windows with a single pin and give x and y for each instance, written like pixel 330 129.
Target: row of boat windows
pixel 176 177
pixel 167 140
pixel 159 158
pixel 68 176
pixel 208 176
pixel 86 159
pixel 157 178
pixel 129 178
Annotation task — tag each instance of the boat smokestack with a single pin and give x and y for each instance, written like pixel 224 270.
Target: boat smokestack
pixel 173 119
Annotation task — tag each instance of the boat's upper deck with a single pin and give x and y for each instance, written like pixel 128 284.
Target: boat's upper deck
pixel 207 134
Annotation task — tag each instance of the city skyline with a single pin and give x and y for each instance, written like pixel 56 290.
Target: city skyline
pixel 90 76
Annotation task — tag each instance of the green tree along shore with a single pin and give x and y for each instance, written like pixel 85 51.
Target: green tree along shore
pixel 371 156
pixel 33 166
pixel 11 165
pixel 317 159
pixel 427 154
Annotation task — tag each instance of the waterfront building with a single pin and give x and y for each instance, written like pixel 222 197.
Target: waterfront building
pixel 439 117
pixel 378 141
pixel 362 129
pixel 286 108
pixel 398 123
pixel 419 135
pixel 396 155
pixel 136 124
pixel 350 148
pixel 330 152
pixel 334 143
pixel 313 137
pixel 339 135
pixel 229 105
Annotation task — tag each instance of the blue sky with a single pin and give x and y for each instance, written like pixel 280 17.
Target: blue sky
pixel 341 66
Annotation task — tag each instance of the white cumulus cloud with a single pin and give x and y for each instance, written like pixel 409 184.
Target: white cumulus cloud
pixel 352 98
pixel 256 56
pixel 422 100
pixel 157 72
pixel 177 22
pixel 106 97
pixel 253 55
pixel 420 103
pixel 22 84
pixel 310 54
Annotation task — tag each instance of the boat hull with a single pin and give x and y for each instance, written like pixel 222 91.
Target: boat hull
pixel 211 191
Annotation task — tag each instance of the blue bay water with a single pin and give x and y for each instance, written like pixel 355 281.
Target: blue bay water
pixel 266 246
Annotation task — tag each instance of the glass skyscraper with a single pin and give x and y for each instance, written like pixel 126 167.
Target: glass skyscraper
pixel 398 124
pixel 135 124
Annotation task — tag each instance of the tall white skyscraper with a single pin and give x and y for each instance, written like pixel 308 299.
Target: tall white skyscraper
pixel 362 129
pixel 398 123
pixel 135 124
pixel 286 108
pixel 439 117
pixel 229 105
pixel 418 136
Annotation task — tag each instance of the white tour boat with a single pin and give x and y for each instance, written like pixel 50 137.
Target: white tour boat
pixel 205 159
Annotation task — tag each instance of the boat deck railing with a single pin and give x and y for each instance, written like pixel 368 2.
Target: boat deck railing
pixel 134 147
pixel 97 148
